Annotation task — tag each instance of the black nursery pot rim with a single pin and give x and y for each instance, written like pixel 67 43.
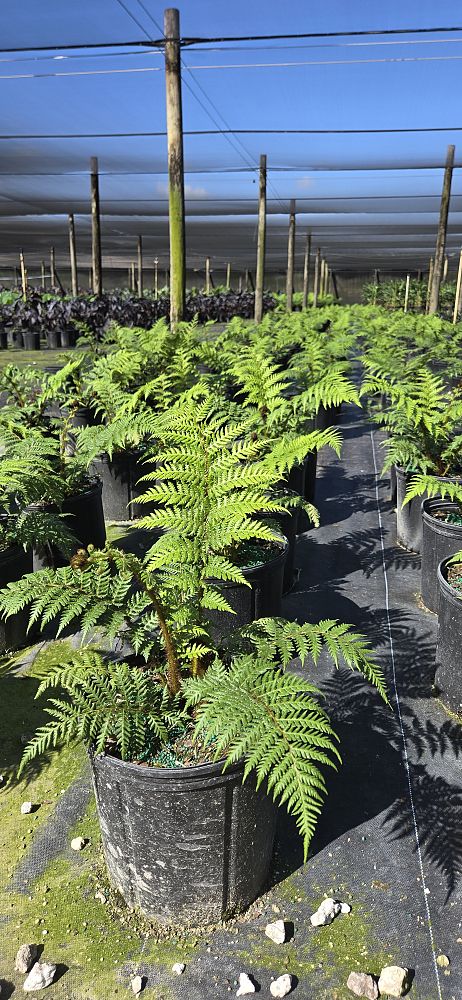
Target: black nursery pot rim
pixel 95 483
pixel 154 774
pixel 443 583
pixel 449 507
pixel 282 543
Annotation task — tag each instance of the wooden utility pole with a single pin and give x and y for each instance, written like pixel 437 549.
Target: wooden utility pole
pixel 261 242
pixel 73 256
pixel 429 286
pixel 406 293
pixel 140 266
pixel 457 299
pixel 207 275
pixel 317 275
pixel 23 275
pixel 306 271
pixel 228 276
pixel 175 164
pixel 52 268
pixel 42 271
pixel 290 258
pixel 95 229
pixel 442 230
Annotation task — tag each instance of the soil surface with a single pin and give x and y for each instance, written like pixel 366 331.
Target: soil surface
pixel 389 841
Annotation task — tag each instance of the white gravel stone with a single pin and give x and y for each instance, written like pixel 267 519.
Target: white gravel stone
pixel 26 808
pixel 282 986
pixel 327 911
pixel 362 984
pixel 78 843
pixel 100 896
pixel 25 958
pixel 178 968
pixel 40 976
pixel 246 986
pixel 276 931
pixel 137 985
pixel 394 981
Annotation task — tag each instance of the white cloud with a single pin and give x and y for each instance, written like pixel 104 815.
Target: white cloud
pixel 189 189
pixel 305 182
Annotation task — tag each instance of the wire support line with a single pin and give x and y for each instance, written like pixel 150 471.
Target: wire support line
pixel 160 42
pixel 238 131
pixel 405 749
pixel 232 66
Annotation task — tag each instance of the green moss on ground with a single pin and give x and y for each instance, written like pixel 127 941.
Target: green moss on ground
pixel 95 940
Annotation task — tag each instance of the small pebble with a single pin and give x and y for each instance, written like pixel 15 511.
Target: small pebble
pixel 78 843
pixel 137 985
pixel 443 961
pixel 26 808
pixel 282 986
pixel 100 896
pixel 178 968
pixel 276 931
pixel 246 986
pixel 25 958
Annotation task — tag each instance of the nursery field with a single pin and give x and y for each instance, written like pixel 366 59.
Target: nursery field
pixel 257 595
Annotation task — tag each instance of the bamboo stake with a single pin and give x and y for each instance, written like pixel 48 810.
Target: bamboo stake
pixel 261 242
pixel 306 271
pixel 442 230
pixel 175 164
pixel 290 259
pixel 140 266
pixel 317 275
pixel 95 229
pixel 406 293
pixel 52 268
pixel 228 276
pixel 457 299
pixel 429 286
pixel 445 268
pixel 207 275
pixel 73 256
pixel 23 275
pixel 156 277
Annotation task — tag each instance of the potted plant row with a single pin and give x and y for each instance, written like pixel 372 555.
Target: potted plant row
pixel 195 734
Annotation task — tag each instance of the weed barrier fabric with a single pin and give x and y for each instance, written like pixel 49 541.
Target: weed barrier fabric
pixel 389 839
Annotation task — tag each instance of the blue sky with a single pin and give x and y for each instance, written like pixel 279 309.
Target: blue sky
pixel 338 87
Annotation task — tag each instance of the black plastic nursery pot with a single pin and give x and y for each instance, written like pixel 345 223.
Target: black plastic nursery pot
pixel 393 485
pixel 439 541
pixel 14 563
pixel 186 846
pixel 67 338
pixel 120 475
pixel 53 340
pixel 448 678
pixel 84 516
pixel 31 341
pixel 409 518
pixel 262 599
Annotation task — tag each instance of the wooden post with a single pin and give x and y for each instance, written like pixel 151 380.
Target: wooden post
pixel 175 164
pixel 90 279
pixel 73 256
pixel 140 267
pixel 52 268
pixel 406 293
pixel 442 230
pixel 261 242
pixel 23 275
pixel 334 283
pixel 249 282
pixel 156 277
pixel 429 286
pixel 457 299
pixel 207 275
pixel 95 229
pixel 317 275
pixel 240 284
pixel 42 270
pixel 306 271
pixel 228 276
pixel 290 259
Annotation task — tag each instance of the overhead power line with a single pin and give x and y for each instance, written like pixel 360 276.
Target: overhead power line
pixel 201 40
pixel 237 131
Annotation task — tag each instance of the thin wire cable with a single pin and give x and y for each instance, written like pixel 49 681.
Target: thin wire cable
pixel 238 131
pixel 405 752
pixel 232 38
